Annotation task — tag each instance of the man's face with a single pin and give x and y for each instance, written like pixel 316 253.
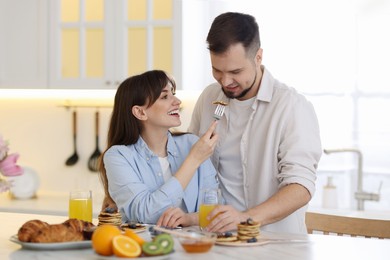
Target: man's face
pixel 238 74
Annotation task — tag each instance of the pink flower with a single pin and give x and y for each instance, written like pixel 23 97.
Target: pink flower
pixel 8 166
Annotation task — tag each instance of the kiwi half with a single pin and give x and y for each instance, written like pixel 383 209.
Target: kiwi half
pixel 166 243
pixel 152 248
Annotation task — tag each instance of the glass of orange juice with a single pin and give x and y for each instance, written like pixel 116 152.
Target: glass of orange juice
pixel 80 205
pixel 209 199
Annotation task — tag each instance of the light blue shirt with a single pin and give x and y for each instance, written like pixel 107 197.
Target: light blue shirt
pixel 136 181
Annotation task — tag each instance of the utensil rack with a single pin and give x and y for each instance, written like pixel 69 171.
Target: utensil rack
pixel 68 104
pixel 67 107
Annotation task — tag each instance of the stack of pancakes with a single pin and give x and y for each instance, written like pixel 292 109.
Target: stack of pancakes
pixel 248 230
pixel 110 217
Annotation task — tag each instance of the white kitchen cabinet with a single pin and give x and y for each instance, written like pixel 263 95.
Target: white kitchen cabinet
pixel 97 44
pixel 23 43
pixel 87 44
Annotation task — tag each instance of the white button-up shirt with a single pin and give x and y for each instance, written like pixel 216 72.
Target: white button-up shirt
pixel 280 144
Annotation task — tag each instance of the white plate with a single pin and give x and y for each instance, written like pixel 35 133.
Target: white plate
pixel 52 246
pixel 158 257
pixel 260 242
pixel 242 243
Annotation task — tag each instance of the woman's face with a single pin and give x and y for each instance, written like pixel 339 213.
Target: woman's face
pixel 165 111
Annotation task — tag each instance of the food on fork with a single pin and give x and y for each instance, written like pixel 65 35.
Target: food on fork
pixel 219 103
pixel 219 110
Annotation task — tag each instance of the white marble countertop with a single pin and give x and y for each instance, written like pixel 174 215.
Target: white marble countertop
pixel 51 203
pixel 316 247
pixel 56 203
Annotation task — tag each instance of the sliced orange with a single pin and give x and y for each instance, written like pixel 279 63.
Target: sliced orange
pixel 133 235
pixel 125 246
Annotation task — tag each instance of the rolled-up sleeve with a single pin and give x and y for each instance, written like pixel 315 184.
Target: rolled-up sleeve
pixel 300 148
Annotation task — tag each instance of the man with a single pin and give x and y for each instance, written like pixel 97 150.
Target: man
pixel 269 144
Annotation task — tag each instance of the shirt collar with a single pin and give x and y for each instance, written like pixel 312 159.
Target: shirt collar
pixel 266 86
pixel 144 150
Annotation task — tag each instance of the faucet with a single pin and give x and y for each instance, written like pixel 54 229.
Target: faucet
pixel 360 195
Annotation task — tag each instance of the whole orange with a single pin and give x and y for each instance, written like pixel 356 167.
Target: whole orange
pixel 102 239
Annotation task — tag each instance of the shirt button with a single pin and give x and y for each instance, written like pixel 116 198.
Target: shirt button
pixel 159 174
pixel 147 158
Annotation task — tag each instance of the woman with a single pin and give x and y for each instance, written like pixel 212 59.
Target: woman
pixel 152 175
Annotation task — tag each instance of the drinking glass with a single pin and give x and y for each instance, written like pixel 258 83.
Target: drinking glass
pixel 209 199
pixel 80 205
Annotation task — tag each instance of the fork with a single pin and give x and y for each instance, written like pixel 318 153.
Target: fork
pixel 218 113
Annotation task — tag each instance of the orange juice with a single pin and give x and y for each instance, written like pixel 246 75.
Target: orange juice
pixel 204 211
pixel 80 209
pixel 80 205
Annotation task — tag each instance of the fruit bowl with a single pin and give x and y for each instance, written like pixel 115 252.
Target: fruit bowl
pixel 197 242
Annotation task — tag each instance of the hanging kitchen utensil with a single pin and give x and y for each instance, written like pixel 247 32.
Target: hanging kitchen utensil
pixel 93 160
pixel 72 160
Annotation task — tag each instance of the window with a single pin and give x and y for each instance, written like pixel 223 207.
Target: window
pixel 337 54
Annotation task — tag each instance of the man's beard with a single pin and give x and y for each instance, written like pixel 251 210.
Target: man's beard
pixel 243 93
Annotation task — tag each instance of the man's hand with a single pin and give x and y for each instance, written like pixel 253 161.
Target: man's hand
pixel 225 218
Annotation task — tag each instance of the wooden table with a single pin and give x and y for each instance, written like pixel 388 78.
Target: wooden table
pixel 316 247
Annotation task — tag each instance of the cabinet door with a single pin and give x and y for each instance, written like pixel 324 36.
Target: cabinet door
pixel 98 43
pixel 77 44
pixel 149 36
pixel 23 43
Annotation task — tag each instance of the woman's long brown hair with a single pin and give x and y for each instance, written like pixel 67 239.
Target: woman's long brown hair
pixel 124 127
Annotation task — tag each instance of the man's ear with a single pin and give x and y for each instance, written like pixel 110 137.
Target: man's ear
pixel 259 55
pixel 139 112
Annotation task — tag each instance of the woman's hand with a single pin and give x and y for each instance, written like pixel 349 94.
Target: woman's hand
pixel 174 217
pixel 205 146
pixel 199 152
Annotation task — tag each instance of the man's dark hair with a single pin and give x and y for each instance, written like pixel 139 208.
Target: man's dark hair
pixel 231 28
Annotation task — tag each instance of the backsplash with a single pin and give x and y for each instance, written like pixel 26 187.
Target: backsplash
pixel 40 130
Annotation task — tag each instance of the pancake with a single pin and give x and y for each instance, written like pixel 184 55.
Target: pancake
pixel 248 230
pixel 110 218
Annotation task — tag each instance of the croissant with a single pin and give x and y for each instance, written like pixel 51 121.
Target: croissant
pixel 77 224
pixel 30 228
pixel 38 231
pixel 57 233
